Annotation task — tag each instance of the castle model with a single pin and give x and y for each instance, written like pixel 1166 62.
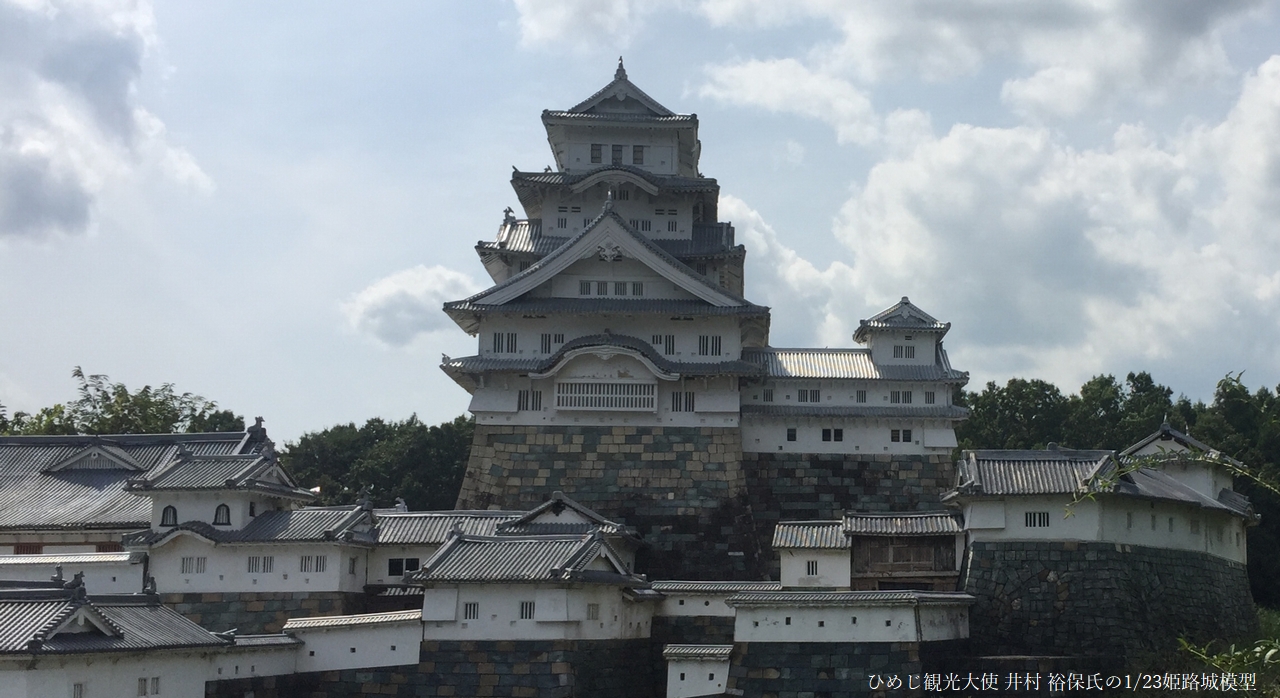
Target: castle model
pixel 657 502
pixel 618 361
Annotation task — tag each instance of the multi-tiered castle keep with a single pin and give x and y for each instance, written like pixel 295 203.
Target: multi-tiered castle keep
pixel 619 362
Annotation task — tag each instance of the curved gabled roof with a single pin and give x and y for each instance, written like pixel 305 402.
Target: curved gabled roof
pixel 903 315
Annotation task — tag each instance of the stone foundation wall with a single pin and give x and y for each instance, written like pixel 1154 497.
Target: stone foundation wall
pixel 538 669
pixel 682 488
pixel 812 669
pixel 1063 598
pixel 261 612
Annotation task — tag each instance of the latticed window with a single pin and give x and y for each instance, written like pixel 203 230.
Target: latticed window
pixel 597 152
pixel 606 396
pixel 617 155
pixel 637 155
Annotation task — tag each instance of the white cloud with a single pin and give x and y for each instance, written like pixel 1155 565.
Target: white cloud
pixel 785 85
pixel 406 304
pixel 1057 261
pixel 69 124
pixel 582 23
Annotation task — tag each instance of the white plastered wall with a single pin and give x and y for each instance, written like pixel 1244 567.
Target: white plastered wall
pixel 385 644
pixel 834 568
pixel 227 567
pixel 696 677
pixel 560 613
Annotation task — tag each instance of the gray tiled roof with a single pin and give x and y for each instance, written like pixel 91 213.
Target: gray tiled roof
pixel 665 182
pixel 848 598
pixel 28 622
pixel 188 472
pixel 269 640
pixel 845 364
pixel 698 587
pixel 1167 433
pixel 69 559
pixel 33 499
pixel 315 525
pixel 466 558
pixel 434 527
pixel 923 523
pixel 525 236
pixel 810 535
pixel 389 618
pixel 705 652
pixel 608 306
pixel 528 523
pixel 1067 471
pixel 858 411
pixel 903 315
pixel 619 116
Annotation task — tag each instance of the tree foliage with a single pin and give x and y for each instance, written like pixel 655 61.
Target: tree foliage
pixel 422 464
pixel 104 407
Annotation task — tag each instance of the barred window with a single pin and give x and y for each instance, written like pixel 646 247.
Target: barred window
pixel 597 153
pixel 709 345
pixel 791 433
pixel 637 288
pixel 546 343
pixel 307 563
pixel 623 195
pixel 809 395
pixel 672 226
pixel 904 351
pixel 526 610
pixel 930 397
pixel 602 288
pixel 169 517
pixel 837 434
pixel 593 611
pixel 682 401
pixel 860 396
pixel 619 288
pixel 1036 519
pixel 666 343
pixel 811 568
pixel 606 396
pixel 895 396
pixel 767 394
pixel 470 610
pixel 826 434
pixel 584 288
pixel 222 515
pixel 637 155
pixel 617 155
pixel 562 222
pixel 529 400
pixel 193 565
pixel 906 397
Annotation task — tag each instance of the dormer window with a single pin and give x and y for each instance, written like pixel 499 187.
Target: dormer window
pixel 169 517
pixel 222 515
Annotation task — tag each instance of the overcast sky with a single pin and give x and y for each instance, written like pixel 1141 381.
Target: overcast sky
pixel 266 203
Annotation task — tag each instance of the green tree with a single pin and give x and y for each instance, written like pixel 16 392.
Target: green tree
pixel 104 407
pixel 422 464
pixel 1022 414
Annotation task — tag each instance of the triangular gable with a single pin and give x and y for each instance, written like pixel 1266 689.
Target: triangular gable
pixel 620 89
pixel 608 234
pixel 97 458
pixel 1167 440
pixel 554 509
pixel 84 619
pixel 902 315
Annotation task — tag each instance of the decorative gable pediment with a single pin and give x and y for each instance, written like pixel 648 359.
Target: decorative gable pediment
pixel 623 96
pixel 97 458
pixel 608 238
pixel 84 619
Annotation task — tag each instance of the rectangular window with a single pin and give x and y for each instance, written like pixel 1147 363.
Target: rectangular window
pixel 526 610
pixel 637 288
pixel 767 394
pixel 838 434
pixel 826 434
pixel 666 343
pixel 701 268
pixel 155 685
pixel 904 351
pixel 930 397
pixel 1036 519
pixel 645 225
pixel 470 610
pixel 597 153
pixel 606 396
pixel 619 288
pixel 193 565
pixel 584 288
pixel 511 342
pixel 1128 519
pixel 586 222
pixel 562 222
pixel 499 345
pixel 895 435
pixel 593 611
pixel 906 397
pixel 861 396
pixel 351 565
pixel 617 155
pixel 709 345
pixel 791 433
pixel 624 195
pixel 255 564
pixel 672 226
pixel 77 690
pixel 682 401
pixel 906 436
pixel 1170 524
pixel 810 395
pixel 30 548
pixel 558 338
pixel 637 155
pixel 307 563
pixel 142 687
pixel 811 568
pixel 895 396
pixel 529 401
pixel 546 343
pixel 602 288
pixel 395 567
pixel 575 209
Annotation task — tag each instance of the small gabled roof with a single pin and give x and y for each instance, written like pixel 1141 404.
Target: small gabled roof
pixel 1176 442
pixel 515 559
pixel 32 621
pixel 620 89
pixel 190 472
pixel 608 235
pixel 97 457
pixel 904 315
pixel 809 535
pixel 347 524
pixel 434 527
pixel 901 523
pixel 541 520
